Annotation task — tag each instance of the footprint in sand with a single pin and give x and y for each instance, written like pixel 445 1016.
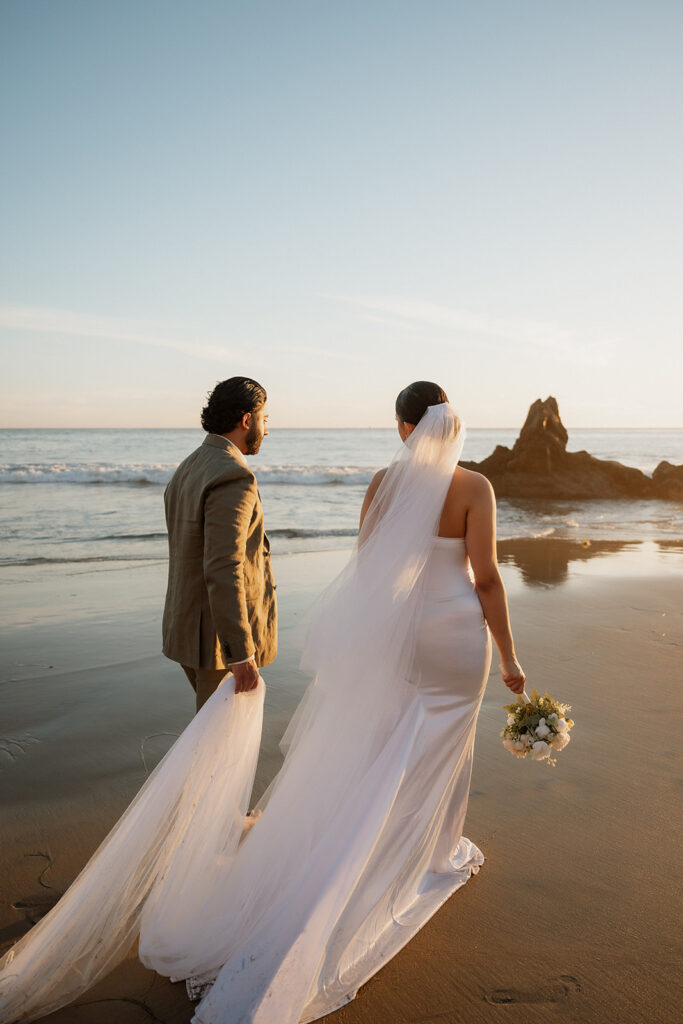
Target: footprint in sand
pixel 553 991
pixel 35 907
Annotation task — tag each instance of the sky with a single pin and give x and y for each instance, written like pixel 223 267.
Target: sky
pixel 338 198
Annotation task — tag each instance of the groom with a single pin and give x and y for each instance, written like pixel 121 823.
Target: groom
pixel 220 614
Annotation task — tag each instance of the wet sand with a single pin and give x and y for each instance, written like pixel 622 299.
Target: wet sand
pixel 570 918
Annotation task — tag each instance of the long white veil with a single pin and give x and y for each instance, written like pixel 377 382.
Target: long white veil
pixel 251 920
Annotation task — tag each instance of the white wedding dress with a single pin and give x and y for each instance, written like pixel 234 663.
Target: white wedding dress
pixel 360 840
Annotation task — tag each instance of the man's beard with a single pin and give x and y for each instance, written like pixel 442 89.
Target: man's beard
pixel 252 441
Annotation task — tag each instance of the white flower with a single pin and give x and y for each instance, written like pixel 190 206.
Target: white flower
pixel 541 721
pixel 540 750
pixel 542 730
pixel 519 753
pixel 561 725
pixel 526 738
pixel 511 719
pixel 553 717
pixel 508 743
pixel 560 741
pixel 519 744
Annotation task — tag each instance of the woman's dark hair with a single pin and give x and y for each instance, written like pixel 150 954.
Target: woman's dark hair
pixel 413 401
pixel 229 401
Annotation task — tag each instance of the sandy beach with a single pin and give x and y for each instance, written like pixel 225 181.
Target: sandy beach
pixel 570 918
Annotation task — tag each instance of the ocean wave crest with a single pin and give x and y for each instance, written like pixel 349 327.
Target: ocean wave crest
pixel 314 476
pixel 65 473
pixel 290 533
pixel 160 473
pixel 76 560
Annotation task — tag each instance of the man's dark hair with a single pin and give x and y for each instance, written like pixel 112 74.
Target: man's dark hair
pixel 413 401
pixel 229 401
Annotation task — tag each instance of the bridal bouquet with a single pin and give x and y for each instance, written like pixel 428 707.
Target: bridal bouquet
pixel 536 726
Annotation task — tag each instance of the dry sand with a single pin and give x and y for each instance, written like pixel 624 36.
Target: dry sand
pixel 571 918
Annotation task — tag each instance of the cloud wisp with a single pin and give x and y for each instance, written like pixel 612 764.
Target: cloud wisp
pixel 69 323
pixel 499 332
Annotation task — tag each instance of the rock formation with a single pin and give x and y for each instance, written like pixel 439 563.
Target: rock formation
pixel 667 481
pixel 539 466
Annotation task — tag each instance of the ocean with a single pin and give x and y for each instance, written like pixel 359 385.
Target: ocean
pixel 78 496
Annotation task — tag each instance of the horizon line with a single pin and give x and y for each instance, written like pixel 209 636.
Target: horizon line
pixel 273 429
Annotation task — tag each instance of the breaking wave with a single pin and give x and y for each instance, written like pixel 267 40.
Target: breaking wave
pixel 140 474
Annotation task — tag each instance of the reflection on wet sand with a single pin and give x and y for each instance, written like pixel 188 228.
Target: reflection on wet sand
pixel 670 545
pixel 546 562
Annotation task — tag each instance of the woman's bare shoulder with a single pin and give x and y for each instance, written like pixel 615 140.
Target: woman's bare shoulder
pixel 371 491
pixel 376 481
pixel 476 483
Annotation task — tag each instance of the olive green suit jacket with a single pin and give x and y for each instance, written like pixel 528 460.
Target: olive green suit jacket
pixel 220 603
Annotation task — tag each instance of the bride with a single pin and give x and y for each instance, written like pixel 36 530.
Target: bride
pixel 280 917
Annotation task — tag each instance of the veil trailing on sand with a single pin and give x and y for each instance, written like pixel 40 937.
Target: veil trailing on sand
pixel 257 920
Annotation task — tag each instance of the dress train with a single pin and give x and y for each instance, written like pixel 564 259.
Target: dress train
pixel 360 840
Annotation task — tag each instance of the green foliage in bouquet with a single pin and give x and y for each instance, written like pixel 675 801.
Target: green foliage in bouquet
pixel 536 728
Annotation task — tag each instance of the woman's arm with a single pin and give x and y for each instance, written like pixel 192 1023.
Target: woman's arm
pixel 480 541
pixel 370 494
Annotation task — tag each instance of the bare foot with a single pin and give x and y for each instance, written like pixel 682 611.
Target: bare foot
pixel 249 822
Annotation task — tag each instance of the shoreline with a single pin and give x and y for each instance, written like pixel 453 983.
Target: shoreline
pixel 571 912
pixel 575 548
